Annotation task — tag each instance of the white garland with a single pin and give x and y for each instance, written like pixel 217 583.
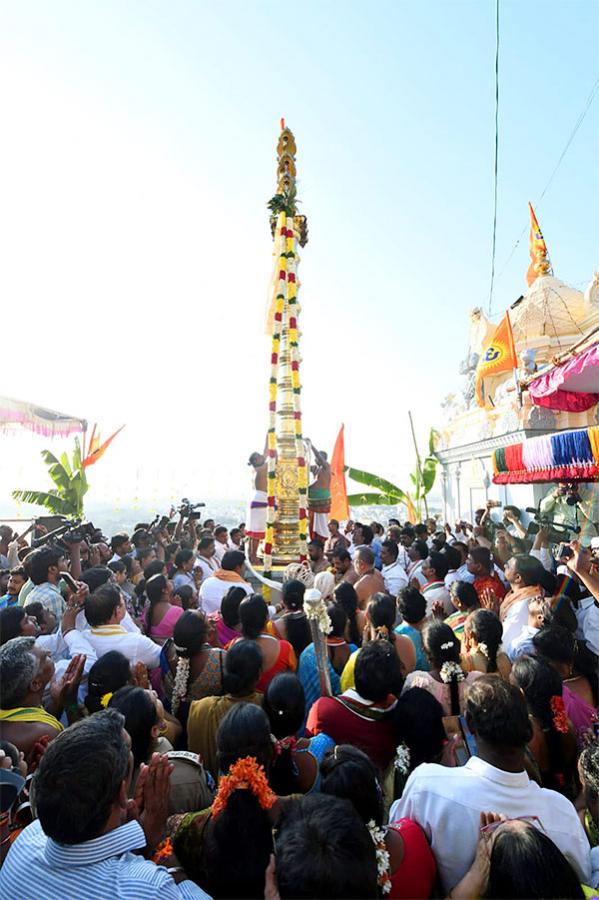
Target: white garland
pixel 383 860
pixel 402 759
pixel 180 685
pixel 484 650
pixel 316 610
pixel 451 670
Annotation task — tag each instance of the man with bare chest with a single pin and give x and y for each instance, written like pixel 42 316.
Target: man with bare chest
pixel 256 513
pixel 319 496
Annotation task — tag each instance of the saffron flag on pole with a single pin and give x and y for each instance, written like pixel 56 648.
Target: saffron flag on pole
pixel 499 356
pixel 537 246
pixel 339 504
pixel 96 449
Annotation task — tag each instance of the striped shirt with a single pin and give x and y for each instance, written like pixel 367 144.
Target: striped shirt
pixel 36 866
pixel 49 596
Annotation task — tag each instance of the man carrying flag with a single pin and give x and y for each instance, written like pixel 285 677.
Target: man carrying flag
pixel 497 357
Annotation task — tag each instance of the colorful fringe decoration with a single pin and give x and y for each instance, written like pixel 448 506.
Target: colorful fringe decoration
pixel 285 315
pixel 565 456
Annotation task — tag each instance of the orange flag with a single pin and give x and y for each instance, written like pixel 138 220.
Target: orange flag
pixel 412 515
pixel 96 449
pixel 537 246
pixel 339 504
pixel 498 356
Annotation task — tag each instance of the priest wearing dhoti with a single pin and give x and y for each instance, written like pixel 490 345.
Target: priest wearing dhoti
pixel 319 495
pixel 256 513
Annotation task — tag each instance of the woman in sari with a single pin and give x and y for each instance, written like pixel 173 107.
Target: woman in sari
pixel 481 646
pixel 577 667
pixel 295 769
pixel 338 651
pixel 292 624
pixel 226 622
pixel 160 615
pixel 278 655
pixel 381 614
pixel 195 669
pixel 241 819
pixel 553 744
pixel 243 665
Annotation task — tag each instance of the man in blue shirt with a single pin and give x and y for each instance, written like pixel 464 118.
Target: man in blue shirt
pixel 16 580
pixel 88 836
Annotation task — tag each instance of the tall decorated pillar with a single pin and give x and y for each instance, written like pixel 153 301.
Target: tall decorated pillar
pixel 287 521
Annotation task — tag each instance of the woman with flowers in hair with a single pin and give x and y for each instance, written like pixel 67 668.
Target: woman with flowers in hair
pixel 295 768
pixel 481 646
pixel 381 614
pixel 195 669
pixel 446 680
pixel 227 847
pixel 553 744
pixel 405 863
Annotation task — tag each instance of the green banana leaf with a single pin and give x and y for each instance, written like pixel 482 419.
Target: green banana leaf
pixel 375 481
pixel 58 505
pixel 373 500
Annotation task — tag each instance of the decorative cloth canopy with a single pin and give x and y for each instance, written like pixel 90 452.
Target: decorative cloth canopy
pixel 47 422
pixel 565 456
pixel 572 386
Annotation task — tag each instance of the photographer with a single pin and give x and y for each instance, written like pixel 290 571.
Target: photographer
pixel 565 505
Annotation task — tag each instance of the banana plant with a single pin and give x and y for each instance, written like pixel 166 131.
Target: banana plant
pixel 68 475
pixel 389 494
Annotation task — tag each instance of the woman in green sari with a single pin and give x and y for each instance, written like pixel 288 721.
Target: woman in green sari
pixel 226 848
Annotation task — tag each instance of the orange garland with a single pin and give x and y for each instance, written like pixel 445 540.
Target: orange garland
pixel 163 851
pixel 245 774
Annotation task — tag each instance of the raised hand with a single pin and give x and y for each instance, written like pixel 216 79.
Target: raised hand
pixel 140 677
pixel 488 600
pixel 437 609
pixel 152 796
pixel 581 559
pixel 64 691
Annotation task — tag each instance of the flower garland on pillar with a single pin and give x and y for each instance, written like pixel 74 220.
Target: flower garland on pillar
pixel 271 467
pixel 292 312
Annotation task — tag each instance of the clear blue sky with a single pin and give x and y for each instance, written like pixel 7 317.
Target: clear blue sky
pixel 137 159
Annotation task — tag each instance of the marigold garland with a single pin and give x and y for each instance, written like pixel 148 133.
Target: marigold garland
pixel 163 851
pixel 560 718
pixel 245 774
pixel 286 310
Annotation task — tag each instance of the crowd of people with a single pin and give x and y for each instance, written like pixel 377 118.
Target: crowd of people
pixel 167 730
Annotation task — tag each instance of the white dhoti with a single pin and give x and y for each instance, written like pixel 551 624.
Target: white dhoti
pixel 256 516
pixel 319 525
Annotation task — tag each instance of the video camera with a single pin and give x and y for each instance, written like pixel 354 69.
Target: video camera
pixel 190 510
pixel 72 531
pixel 558 533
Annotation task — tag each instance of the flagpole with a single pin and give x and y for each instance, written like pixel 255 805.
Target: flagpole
pixel 513 352
pixel 418 463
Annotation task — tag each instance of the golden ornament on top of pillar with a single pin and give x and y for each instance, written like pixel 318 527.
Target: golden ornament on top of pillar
pixel 287 522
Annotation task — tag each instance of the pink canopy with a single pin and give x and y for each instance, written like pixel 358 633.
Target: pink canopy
pixel 573 386
pixel 48 422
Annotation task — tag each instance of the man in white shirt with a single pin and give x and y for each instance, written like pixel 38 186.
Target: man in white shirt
pixel 434 569
pixel 206 559
pixel 418 552
pixel 104 610
pixel 587 616
pixel 522 643
pixel 121 546
pixel 587 609
pixel 447 802
pixel 214 588
pixel 221 542
pixel 525 575
pixel 394 574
